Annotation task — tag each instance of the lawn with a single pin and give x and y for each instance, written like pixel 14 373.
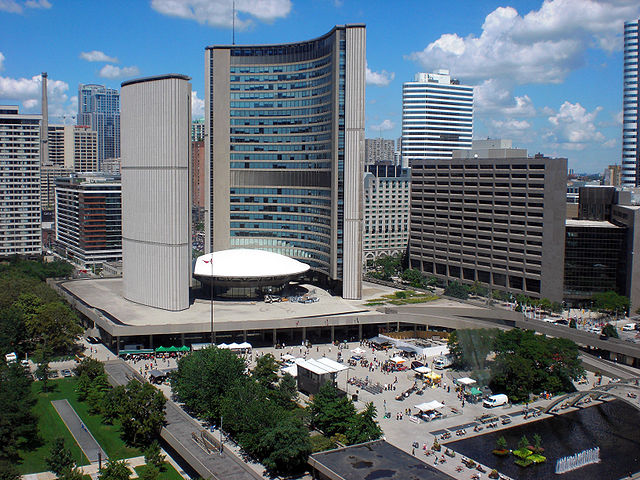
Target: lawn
pixel 404 297
pixel 50 426
pixel 169 473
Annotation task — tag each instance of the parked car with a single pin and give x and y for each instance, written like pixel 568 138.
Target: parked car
pixel 66 373
pixel 629 327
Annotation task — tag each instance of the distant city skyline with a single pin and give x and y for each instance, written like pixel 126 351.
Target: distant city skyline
pixel 548 74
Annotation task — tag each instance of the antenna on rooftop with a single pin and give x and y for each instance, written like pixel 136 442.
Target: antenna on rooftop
pixel 233 24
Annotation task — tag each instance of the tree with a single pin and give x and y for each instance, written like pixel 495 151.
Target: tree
pixel 363 426
pixel 413 277
pixel 266 370
pixel 60 458
pixel 479 290
pixel 523 442
pixel 287 447
pixel 142 414
pixel 470 347
pixel 331 412
pixel 501 443
pixel 610 302
pixel 115 470
pixel 150 472
pixel 537 442
pixel 610 331
pixel 54 328
pixel 97 391
pixel 153 455
pixel 18 425
pixel 112 403
pixel 387 266
pixel 8 471
pixel 457 290
pixel 71 474
pixel 13 332
pixel 286 394
pixel 572 323
pixel 203 378
pixel 89 367
pixel 42 373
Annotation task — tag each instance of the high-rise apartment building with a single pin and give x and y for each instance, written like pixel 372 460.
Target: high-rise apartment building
pixel 19 183
pixel 495 216
pixel 73 147
pixel 99 109
pixel 197 130
pixel 612 176
pixel 286 155
pixel 48 176
pixel 387 190
pixel 437 117
pixel 88 213
pixel 630 107
pixel 379 150
pixel 156 191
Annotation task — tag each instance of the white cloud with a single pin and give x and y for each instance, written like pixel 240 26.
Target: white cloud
pixel 618 118
pixel 379 79
pixel 111 71
pixel 97 56
pixel 28 92
pixel 573 127
pixel 611 143
pixel 197 105
pixel 15 6
pixel 510 128
pixel 543 46
pixel 384 126
pixel 219 13
pixel 1 60
pixel 494 96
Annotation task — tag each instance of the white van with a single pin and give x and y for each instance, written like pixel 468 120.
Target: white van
pixel 629 327
pixel 11 357
pixel 495 400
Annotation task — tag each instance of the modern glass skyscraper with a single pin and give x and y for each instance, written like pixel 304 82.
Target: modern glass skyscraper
pixel 437 117
pixel 285 149
pixel 630 107
pixel 99 108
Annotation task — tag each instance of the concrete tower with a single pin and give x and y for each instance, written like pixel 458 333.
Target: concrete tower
pixel 156 191
pixel 631 107
pixel 44 130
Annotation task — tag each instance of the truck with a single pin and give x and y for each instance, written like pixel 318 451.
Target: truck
pixel 495 400
pixel 443 361
pixel 629 327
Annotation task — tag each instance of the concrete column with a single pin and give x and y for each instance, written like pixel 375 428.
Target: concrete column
pixel 275 336
pixel 182 339
pixel 333 333
pixel 397 326
pixel 151 341
pixel 304 334
pixel 359 331
pixel 118 345
pixel 244 335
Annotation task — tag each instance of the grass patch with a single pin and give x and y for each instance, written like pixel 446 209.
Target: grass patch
pixel 536 458
pixel 522 453
pixel 523 462
pixel 320 443
pixel 50 426
pixel 169 473
pixel 406 297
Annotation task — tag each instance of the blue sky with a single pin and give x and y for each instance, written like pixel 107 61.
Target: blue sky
pixel 548 74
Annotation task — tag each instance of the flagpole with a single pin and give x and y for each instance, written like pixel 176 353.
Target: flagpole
pixel 211 261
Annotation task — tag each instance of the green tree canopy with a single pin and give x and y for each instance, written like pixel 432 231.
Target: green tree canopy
pixel 470 347
pixel 202 379
pixel 610 331
pixel 286 446
pixel 331 411
pixel 363 426
pixel 413 277
pixel 115 470
pixel 54 328
pixel 60 458
pixel 142 414
pixel 18 425
pixel 89 367
pixel 610 302
pixel 266 371
pixel 457 290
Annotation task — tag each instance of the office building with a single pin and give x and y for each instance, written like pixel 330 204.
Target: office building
pixel 156 191
pixel 88 224
pixel 111 165
pixel 48 176
pixel 19 183
pixel 198 177
pixel 286 156
pixel 197 130
pixel 379 150
pixel 99 109
pixel 495 216
pixel 600 246
pixel 437 117
pixel 630 113
pixel 612 176
pixel 387 190
pixel 73 147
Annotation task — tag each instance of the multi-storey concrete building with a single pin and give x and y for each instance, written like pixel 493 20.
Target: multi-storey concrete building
pixel 630 107
pixel 19 183
pixel 387 197
pixel 286 155
pixel 379 150
pixel 198 173
pixel 48 175
pixel 99 109
pixel 111 165
pixel 88 213
pixel 156 191
pixel 437 117
pixel 612 176
pixel 197 130
pixel 73 147
pixel 495 216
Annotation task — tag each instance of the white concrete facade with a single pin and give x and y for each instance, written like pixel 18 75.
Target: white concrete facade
pixel 630 113
pixel 156 191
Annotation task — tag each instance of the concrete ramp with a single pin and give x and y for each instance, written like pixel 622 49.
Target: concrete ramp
pixel 80 432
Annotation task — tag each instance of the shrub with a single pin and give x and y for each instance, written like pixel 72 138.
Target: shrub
pixel 523 462
pixel 536 458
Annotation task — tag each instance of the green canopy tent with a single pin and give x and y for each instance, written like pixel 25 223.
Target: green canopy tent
pixel 474 391
pixel 161 349
pixel 184 348
pixel 172 349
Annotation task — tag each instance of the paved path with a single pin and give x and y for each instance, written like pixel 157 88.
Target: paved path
pixel 80 433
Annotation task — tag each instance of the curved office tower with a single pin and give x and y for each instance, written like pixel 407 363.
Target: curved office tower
pixel 285 149
pixel 156 196
pixel 631 106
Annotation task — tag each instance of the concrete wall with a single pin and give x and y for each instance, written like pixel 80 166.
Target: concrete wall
pixel 156 191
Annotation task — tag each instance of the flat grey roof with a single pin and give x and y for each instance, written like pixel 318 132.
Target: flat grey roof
pixel 571 222
pixel 373 460
pixel 166 76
